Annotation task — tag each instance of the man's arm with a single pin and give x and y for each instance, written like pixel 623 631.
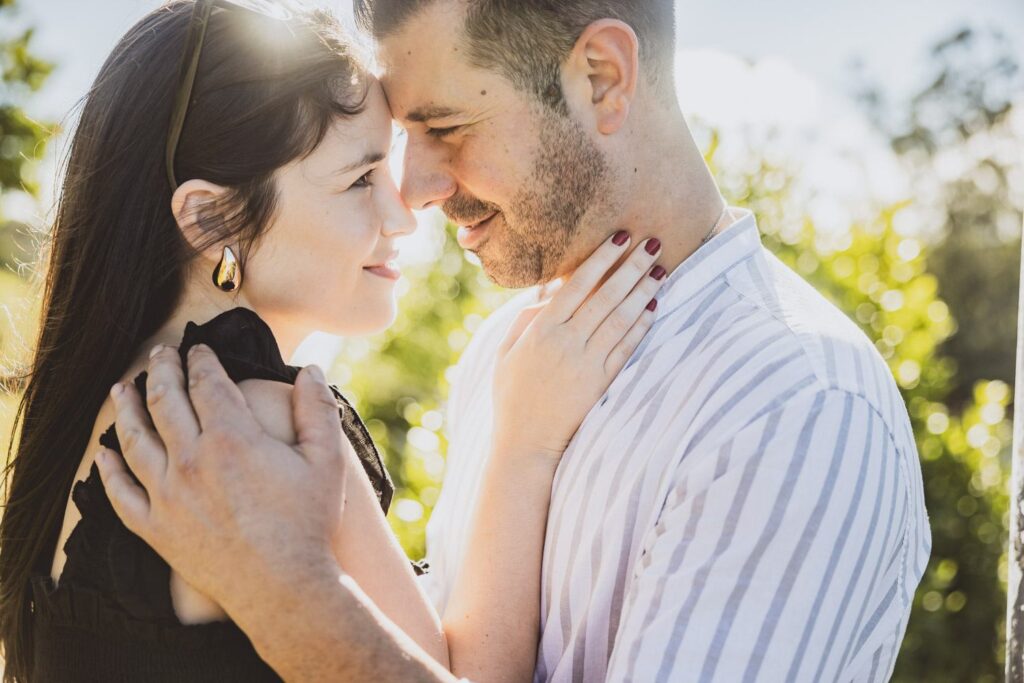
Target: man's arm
pixel 777 555
pixel 326 629
pixel 213 516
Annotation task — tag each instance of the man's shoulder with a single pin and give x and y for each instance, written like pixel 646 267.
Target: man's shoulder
pixel 766 337
pixel 825 341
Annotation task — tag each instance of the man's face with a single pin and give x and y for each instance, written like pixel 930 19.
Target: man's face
pixel 520 181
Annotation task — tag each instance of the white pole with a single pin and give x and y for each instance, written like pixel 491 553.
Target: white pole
pixel 1015 550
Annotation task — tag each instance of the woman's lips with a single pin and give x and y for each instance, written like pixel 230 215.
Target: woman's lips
pixel 388 271
pixel 471 236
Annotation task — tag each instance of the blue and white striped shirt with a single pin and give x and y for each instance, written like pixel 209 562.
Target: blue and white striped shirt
pixel 745 503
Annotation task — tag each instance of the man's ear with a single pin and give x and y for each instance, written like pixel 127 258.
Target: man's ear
pixel 195 205
pixel 607 54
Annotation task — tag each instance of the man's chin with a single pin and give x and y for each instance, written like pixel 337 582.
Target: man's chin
pixel 502 278
pixel 511 273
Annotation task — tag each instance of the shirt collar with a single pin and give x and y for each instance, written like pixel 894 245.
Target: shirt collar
pixel 733 245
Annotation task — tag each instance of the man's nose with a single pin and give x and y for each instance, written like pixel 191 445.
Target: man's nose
pixel 426 180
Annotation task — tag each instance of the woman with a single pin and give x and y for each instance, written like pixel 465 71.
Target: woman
pixel 248 190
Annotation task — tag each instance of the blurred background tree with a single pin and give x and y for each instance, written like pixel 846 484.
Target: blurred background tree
pixel 957 139
pixel 940 308
pixel 22 144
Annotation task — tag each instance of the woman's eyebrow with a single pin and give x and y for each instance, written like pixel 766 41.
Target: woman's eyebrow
pixel 368 160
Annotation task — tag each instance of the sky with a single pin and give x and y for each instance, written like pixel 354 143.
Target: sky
pixel 819 38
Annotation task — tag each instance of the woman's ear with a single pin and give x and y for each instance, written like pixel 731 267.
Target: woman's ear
pixel 194 206
pixel 607 56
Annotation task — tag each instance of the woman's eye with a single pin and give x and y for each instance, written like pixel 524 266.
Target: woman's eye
pixel 441 133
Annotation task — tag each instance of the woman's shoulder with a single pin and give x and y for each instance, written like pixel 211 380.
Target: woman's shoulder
pixel 245 345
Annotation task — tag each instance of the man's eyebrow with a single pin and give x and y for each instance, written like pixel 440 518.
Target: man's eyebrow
pixel 368 160
pixel 424 114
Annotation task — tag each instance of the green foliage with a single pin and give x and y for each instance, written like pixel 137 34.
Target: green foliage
pixel 22 142
pixel 956 138
pixel 21 137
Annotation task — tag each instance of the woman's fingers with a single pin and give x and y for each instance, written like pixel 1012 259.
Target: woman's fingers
pixel 622 319
pixel 588 275
pixel 168 401
pixel 623 351
pixel 141 445
pixel 519 326
pixel 609 296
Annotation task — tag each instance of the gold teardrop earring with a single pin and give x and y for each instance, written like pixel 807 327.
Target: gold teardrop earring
pixel 227 276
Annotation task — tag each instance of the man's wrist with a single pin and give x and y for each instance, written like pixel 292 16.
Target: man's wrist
pixel 327 629
pixel 256 602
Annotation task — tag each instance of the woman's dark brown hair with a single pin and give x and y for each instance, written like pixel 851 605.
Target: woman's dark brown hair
pixel 266 93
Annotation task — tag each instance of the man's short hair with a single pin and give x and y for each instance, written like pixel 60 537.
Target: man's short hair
pixel 528 40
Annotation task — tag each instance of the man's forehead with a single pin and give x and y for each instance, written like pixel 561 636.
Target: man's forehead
pixel 421 95
pixel 431 86
pixel 423 65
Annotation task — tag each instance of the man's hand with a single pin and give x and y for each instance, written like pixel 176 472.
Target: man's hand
pixel 237 513
pixel 251 521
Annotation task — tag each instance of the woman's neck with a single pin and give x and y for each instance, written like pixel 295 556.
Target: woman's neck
pixel 200 303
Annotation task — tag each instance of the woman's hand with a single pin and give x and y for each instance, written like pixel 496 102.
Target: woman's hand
pixel 559 357
pixel 554 364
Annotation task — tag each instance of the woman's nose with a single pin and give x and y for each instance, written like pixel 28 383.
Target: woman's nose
pixel 398 218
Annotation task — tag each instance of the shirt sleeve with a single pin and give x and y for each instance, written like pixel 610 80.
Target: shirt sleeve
pixel 778 554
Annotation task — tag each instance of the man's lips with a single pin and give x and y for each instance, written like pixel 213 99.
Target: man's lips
pixel 469 236
pixel 478 223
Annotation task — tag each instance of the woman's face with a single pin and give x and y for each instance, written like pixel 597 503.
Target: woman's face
pixel 326 260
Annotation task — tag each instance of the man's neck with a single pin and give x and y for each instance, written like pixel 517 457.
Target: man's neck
pixel 677 200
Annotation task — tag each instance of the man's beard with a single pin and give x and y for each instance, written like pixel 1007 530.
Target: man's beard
pixel 544 217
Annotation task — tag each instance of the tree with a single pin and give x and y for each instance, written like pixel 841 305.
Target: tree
pixel 957 139
pixel 22 143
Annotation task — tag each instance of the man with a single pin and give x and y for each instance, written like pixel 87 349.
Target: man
pixel 745 502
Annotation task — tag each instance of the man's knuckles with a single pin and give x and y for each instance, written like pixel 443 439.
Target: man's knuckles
pixel 220 441
pixel 131 439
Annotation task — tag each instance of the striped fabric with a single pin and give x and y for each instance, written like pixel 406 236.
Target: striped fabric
pixel 744 504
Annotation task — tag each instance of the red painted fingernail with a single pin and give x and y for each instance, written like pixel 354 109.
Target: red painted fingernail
pixel 653 246
pixel 621 237
pixel 653 306
pixel 658 272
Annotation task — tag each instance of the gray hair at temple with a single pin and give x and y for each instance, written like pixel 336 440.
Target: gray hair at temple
pixel 528 40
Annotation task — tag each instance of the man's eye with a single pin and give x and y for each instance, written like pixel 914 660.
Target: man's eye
pixel 441 133
pixel 365 180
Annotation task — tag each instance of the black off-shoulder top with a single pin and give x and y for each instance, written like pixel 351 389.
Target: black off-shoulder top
pixel 110 618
